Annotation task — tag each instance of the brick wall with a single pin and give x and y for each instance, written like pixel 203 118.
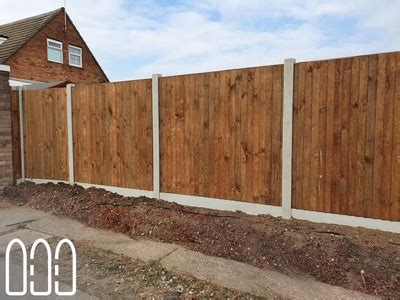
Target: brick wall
pixel 30 62
pixel 6 171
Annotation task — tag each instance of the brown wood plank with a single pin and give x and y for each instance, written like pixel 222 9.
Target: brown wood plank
pixel 344 127
pixel 322 129
pixel 387 148
pixel 307 137
pixel 394 208
pixel 16 140
pixel 353 135
pixel 315 154
pixel 378 137
pixel 370 131
pixel 277 100
pixel 299 133
pixel 330 136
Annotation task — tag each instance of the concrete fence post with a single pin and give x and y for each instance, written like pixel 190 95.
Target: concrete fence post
pixel 70 135
pixel 156 134
pixel 287 138
pixel 6 165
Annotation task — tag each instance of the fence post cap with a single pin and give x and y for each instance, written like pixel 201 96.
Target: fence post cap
pixel 289 60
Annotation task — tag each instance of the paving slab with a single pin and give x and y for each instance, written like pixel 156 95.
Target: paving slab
pixel 28 237
pixel 143 250
pixel 15 215
pixel 249 279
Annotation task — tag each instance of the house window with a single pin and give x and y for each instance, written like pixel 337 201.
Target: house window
pixel 75 56
pixel 3 39
pixel 54 51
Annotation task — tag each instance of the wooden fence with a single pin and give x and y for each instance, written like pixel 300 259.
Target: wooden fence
pixel 113 134
pixel 221 135
pixel 347 136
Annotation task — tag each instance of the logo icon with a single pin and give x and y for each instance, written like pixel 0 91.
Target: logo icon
pixel 33 291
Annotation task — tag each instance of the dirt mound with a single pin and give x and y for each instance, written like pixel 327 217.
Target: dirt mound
pixel 354 258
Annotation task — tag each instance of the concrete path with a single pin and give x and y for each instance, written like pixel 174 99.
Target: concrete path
pixel 223 272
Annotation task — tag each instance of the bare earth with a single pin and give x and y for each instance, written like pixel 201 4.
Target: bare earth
pixel 354 258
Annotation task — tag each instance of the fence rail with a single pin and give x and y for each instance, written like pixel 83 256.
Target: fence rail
pixel 221 135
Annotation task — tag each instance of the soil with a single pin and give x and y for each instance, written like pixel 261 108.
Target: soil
pixel 354 258
pixel 111 276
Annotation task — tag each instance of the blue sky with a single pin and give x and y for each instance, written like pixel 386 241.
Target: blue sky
pixel 133 39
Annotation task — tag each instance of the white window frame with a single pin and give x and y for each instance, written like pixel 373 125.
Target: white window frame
pixel 69 56
pixel 3 39
pixel 61 49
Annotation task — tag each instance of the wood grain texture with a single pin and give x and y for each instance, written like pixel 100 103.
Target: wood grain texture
pixel 346 143
pixel 15 129
pixel 221 134
pixel 113 134
pixel 45 134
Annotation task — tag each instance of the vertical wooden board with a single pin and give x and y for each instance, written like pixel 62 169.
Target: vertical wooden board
pixel 165 131
pixel 353 135
pixel 236 82
pixel 395 161
pixel 15 131
pixel 315 154
pixel 370 134
pixel 149 133
pixel 257 166
pixel 212 144
pixel 244 117
pixel 208 135
pixel 186 136
pixel 180 121
pixel 299 132
pixel 337 141
pixel 45 134
pixel 231 124
pixel 330 135
pixel 128 104
pixel 276 184
pixel 263 128
pixel 307 137
pixel 378 137
pixel 344 128
pixel 250 139
pixel 295 139
pixel 266 134
pixel 361 136
pixel 387 148
pixel 322 129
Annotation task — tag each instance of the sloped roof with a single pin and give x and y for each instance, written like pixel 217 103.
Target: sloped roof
pixel 21 31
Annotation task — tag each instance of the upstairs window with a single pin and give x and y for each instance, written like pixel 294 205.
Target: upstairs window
pixel 75 56
pixel 3 38
pixel 54 51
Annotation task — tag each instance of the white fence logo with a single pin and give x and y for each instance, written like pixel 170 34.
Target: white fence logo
pixel 33 291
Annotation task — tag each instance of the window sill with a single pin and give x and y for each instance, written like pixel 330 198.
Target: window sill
pixel 76 66
pixel 54 61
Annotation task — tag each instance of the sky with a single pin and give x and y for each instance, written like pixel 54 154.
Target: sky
pixel 134 39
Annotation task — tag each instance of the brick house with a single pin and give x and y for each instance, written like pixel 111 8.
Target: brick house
pixel 47 49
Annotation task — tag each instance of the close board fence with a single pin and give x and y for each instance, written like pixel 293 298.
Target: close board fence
pixel 221 135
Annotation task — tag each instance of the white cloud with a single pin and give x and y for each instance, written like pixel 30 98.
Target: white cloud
pixel 133 39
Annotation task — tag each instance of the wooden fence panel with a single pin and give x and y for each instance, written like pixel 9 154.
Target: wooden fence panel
pixel 45 134
pixel 221 134
pixel 16 145
pixel 347 136
pixel 113 134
